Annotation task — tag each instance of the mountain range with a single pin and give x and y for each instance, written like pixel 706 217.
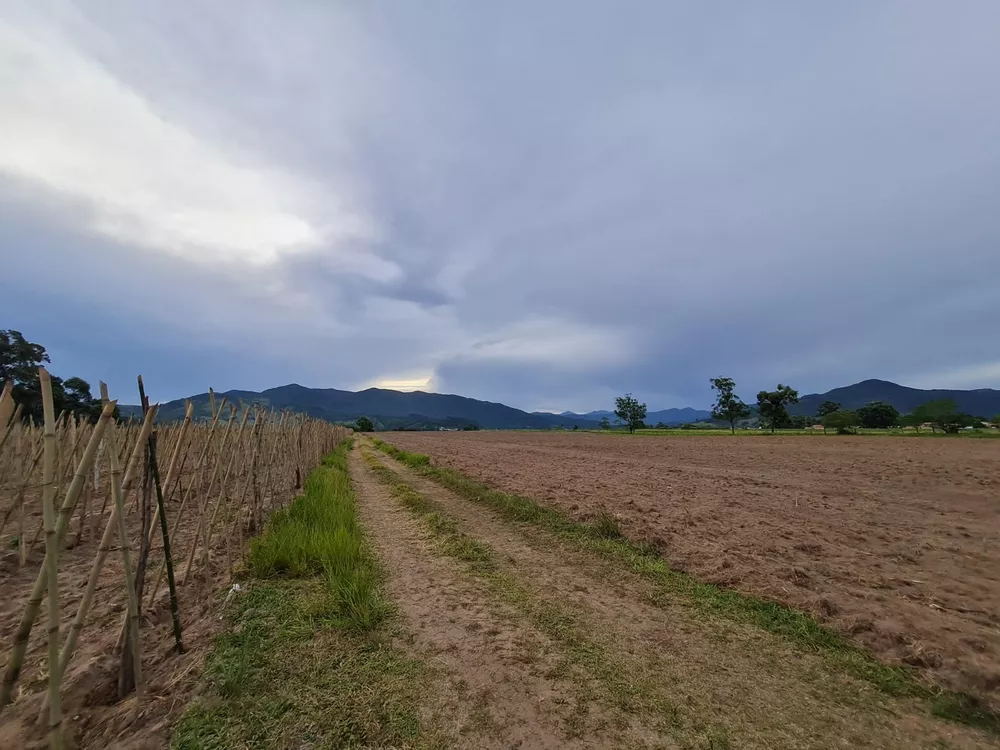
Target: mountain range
pixel 388 409
pixel 666 416
pixel 420 410
pixel 981 402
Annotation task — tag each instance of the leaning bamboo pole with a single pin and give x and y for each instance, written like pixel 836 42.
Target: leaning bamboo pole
pixel 223 495
pixel 184 499
pixel 6 404
pixel 25 481
pixel 240 475
pixel 168 563
pixel 172 465
pixel 67 509
pixel 51 558
pixel 133 606
pixel 211 486
pixel 58 490
pixel 41 582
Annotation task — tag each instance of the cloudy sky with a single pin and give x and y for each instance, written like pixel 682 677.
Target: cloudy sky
pixel 544 204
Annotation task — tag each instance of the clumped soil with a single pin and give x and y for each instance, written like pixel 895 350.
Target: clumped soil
pixel 93 716
pixel 893 541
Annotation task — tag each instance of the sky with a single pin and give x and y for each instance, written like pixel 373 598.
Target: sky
pixel 542 204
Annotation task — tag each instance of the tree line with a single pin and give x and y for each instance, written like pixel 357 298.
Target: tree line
pixel 772 412
pixel 19 363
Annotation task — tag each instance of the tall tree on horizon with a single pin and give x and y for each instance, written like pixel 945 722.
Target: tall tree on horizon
pixel 773 405
pixel 630 411
pixel 728 407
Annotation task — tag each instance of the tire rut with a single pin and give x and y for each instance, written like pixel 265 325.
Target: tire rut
pixel 495 688
pixel 765 692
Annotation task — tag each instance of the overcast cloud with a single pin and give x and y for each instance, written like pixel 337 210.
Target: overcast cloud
pixel 544 204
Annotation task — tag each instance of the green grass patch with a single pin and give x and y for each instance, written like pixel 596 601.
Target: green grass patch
pixel 308 660
pixel 795 626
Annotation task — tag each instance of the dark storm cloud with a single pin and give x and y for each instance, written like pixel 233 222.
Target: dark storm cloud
pixel 543 205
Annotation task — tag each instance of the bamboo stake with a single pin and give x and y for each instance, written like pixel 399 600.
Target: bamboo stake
pixel 211 486
pixel 6 404
pixel 58 490
pixel 222 488
pixel 133 607
pixel 189 412
pixel 31 612
pixel 14 426
pixel 51 559
pixel 146 518
pixel 24 485
pixel 184 499
pixel 167 558
pixel 38 591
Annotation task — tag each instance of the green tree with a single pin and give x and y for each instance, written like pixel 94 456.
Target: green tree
pixel 19 363
pixel 827 407
pixel 942 414
pixel 471 427
pixel 996 421
pixel 630 411
pixel 728 407
pixel 364 424
pixel 878 415
pixel 660 426
pixel 844 421
pixel 605 424
pixel 773 405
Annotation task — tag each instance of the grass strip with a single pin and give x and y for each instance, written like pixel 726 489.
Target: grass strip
pixel 604 537
pixel 619 683
pixel 307 660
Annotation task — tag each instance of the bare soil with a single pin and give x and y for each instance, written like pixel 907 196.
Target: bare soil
pixel 495 688
pixel 893 541
pixel 93 716
pixel 720 680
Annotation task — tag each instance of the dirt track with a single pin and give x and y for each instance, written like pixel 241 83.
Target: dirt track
pixel 893 541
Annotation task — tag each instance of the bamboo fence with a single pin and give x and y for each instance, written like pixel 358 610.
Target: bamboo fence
pixel 72 489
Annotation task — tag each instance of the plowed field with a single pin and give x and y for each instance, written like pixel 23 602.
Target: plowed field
pixel 893 541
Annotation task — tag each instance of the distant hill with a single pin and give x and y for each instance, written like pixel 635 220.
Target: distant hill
pixel 389 409
pixel 982 402
pixel 423 411
pixel 667 416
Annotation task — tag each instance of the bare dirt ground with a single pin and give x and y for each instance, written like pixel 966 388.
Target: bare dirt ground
pixel 496 690
pixel 719 684
pixel 893 541
pixel 92 714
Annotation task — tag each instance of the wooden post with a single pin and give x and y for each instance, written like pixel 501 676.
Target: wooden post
pixel 184 499
pixel 95 571
pixel 167 557
pixel 51 559
pixel 211 486
pixel 133 606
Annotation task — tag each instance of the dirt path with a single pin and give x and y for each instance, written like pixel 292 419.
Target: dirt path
pixel 496 688
pixel 762 691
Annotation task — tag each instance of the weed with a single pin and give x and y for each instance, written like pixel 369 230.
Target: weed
pixel 606 526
